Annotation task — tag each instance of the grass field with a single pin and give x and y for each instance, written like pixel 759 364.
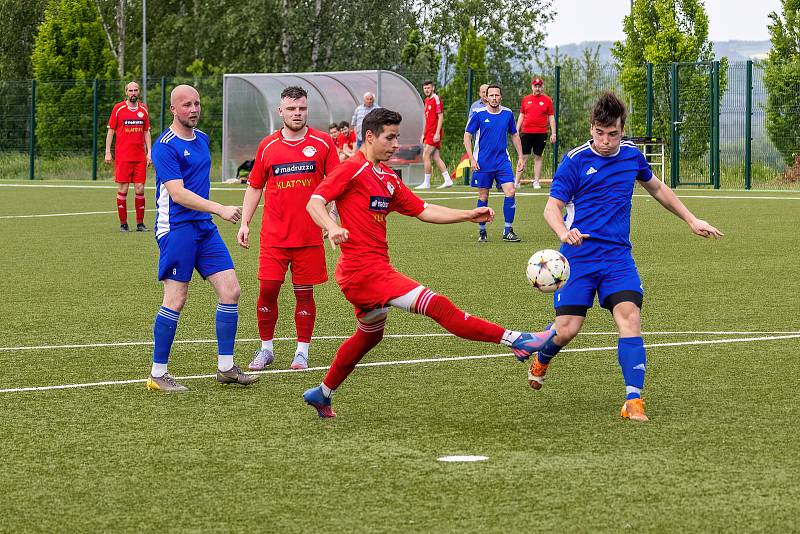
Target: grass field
pixel 720 453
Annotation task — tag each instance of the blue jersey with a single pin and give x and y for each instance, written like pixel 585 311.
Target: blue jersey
pixel 490 131
pixel 598 191
pixel 475 106
pixel 175 158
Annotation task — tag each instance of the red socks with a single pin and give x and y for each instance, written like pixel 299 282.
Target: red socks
pixel 267 308
pixel 139 200
pixel 352 350
pixel 122 207
pixel 456 321
pixel 305 312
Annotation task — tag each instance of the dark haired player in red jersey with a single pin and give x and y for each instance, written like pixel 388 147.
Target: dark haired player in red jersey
pixel 290 163
pixel 366 191
pixel 130 121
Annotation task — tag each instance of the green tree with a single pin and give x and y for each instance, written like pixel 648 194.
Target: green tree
pixel 782 80
pixel 663 32
pixel 70 51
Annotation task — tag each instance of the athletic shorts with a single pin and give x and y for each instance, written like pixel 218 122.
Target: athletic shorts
pixel 590 276
pixel 307 264
pixel 428 140
pixel 486 179
pixel 533 142
pixel 126 172
pixel 370 289
pixel 190 246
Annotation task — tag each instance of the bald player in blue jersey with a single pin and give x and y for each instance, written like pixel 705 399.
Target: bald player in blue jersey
pixel 188 240
pixel 594 184
pixel 491 125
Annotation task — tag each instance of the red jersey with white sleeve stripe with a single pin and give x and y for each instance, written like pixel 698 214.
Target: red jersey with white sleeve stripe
pixel 365 195
pixel 290 170
pixel 129 125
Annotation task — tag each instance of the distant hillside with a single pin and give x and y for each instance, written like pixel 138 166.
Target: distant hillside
pixel 733 50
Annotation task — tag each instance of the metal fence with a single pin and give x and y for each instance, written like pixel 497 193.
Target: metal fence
pixel 713 120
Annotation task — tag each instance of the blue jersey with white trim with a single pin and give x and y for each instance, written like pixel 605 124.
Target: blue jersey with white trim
pixel 175 158
pixel 490 131
pixel 598 191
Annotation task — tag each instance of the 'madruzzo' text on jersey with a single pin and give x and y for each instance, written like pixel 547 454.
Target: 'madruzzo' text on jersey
pixel 598 191
pixel 175 158
pixel 365 195
pixel 290 170
pixel 490 131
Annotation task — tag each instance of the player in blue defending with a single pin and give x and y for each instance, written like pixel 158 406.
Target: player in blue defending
pixel 188 240
pixel 490 125
pixel 594 183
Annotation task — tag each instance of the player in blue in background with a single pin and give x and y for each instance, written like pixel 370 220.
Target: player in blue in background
pixel 188 240
pixel 490 125
pixel 594 183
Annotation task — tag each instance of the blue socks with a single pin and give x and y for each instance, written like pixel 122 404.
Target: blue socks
pixel 481 204
pixel 164 334
pixel 509 210
pixel 548 352
pixel 227 321
pixel 632 358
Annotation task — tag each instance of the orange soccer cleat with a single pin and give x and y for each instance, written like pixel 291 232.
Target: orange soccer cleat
pixel 536 373
pixel 633 409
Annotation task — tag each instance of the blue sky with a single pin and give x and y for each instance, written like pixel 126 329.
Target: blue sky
pixel 592 20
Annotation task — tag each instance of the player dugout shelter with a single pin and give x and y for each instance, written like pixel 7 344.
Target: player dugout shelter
pixel 250 111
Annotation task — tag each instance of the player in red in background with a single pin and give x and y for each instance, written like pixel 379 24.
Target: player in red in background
pixel 130 121
pixel 290 163
pixel 366 191
pixel 346 141
pixel 431 139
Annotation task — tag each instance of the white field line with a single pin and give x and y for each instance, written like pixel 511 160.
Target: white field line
pixel 437 334
pixel 404 362
pixel 756 194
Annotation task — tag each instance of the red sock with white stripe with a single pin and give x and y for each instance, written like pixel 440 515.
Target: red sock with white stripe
pixel 122 207
pixel 456 321
pixel 305 312
pixel 267 308
pixel 351 352
pixel 139 203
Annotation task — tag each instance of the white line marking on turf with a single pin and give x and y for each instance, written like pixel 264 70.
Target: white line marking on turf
pixel 59 214
pixel 403 362
pixel 438 334
pixel 462 458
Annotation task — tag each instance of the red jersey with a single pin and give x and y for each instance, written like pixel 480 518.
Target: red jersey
pixel 349 140
pixel 364 197
pixel 433 106
pixel 291 169
pixel 129 125
pixel 536 110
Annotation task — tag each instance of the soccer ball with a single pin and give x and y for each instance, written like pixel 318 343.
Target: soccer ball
pixel 547 270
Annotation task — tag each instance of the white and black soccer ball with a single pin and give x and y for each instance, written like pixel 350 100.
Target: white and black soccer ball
pixel 547 270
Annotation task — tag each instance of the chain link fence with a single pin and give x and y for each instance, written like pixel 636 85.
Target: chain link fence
pixel 674 104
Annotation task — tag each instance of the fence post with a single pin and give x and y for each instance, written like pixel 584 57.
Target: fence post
pixel 674 165
pixel 94 129
pixel 163 101
pixel 649 116
pixel 715 130
pixel 470 75
pixel 557 105
pixel 32 126
pixel 748 126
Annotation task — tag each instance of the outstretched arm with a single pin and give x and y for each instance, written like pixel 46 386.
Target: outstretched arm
pixel 193 201
pixel 667 198
pixel 319 214
pixel 433 213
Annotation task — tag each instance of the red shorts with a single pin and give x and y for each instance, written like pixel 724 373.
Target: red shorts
pixel 428 140
pixel 370 289
pixel 130 171
pixel 308 264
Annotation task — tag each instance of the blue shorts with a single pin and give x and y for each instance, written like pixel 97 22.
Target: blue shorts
pixel 190 246
pixel 485 179
pixel 603 277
